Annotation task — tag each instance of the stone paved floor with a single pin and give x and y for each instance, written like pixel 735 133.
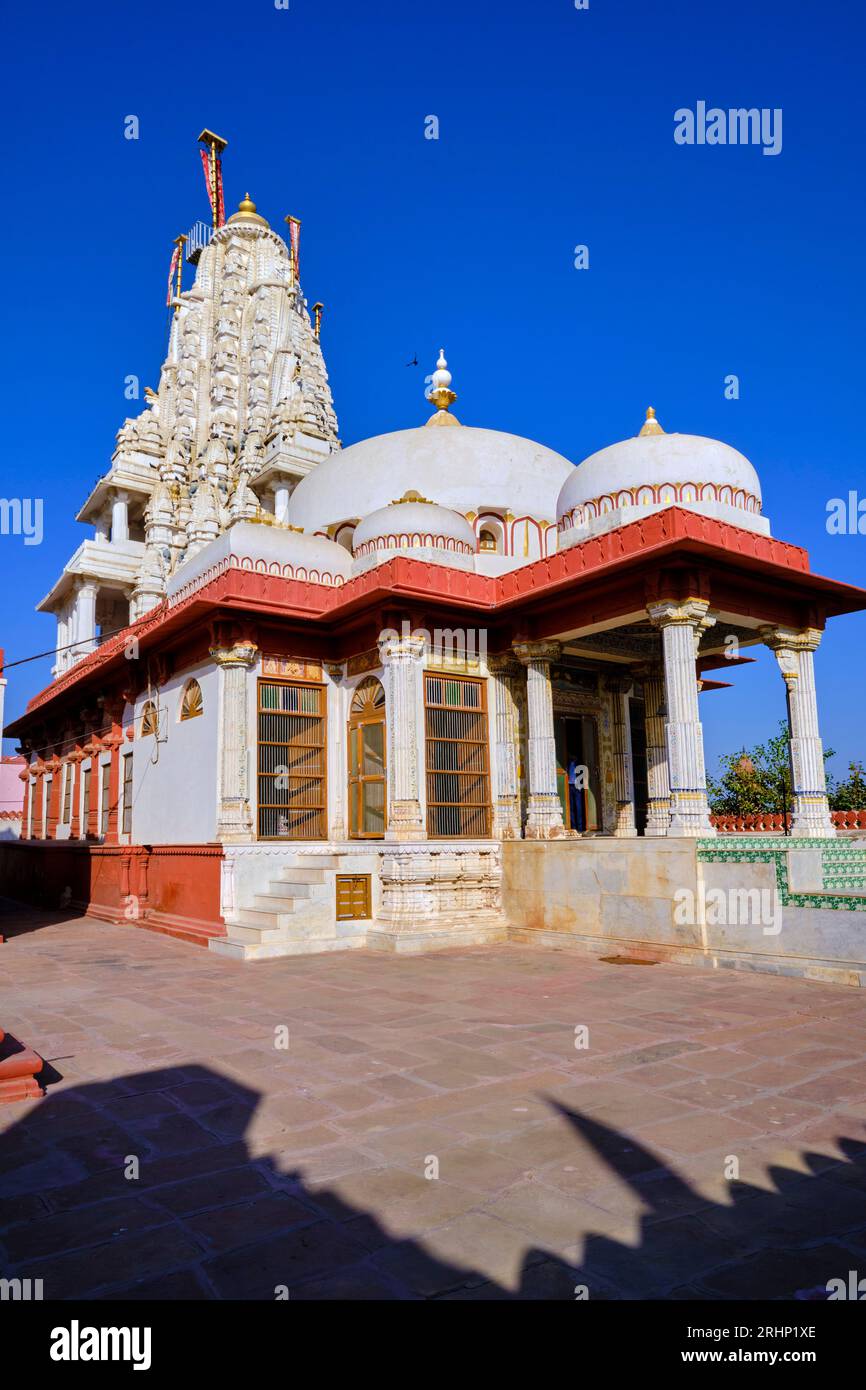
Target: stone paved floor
pixel 258 1167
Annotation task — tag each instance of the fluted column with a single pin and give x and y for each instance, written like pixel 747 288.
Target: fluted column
pixel 794 652
pixel 625 827
pixel 681 626
pixel 234 815
pixel 544 812
pixel 338 773
pixel 85 620
pixel 506 809
pixel 402 659
pixel 658 785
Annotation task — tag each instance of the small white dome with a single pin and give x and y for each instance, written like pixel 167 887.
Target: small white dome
pixel 417 527
pixel 632 479
pixel 266 549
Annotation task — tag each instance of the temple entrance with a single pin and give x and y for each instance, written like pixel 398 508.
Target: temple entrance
pixel 577 772
pixel 367 761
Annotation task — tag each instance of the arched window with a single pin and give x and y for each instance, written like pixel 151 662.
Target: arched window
pixel 192 704
pixel 149 720
pixel 487 541
pixel 369 697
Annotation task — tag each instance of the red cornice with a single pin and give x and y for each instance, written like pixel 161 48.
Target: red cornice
pixel 674 535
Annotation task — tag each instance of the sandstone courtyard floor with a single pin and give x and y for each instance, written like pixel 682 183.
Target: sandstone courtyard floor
pixel 431 1131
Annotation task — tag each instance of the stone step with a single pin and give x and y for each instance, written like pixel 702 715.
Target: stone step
pixel 289 888
pixel 254 936
pixel 314 864
pixel 277 902
pixel 301 875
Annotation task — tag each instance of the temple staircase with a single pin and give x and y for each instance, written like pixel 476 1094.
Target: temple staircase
pixel 294 914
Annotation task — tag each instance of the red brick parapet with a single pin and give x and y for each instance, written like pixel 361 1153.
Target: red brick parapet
pixel 768 823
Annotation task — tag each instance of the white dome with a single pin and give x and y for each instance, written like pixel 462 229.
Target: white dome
pixel 463 468
pixel 636 477
pixel 266 549
pixel 417 527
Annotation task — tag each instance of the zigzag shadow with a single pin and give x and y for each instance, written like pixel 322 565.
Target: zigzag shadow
pixel 73 1219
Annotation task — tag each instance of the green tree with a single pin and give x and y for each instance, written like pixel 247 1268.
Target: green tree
pixel 755 781
pixel 849 795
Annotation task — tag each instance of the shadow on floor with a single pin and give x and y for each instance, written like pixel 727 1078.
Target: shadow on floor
pixel 206 1218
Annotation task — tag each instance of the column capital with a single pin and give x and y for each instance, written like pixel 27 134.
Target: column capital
pixel 503 664
pixel 527 652
pixel 689 612
pixel 791 639
pixel 395 646
pixel 241 654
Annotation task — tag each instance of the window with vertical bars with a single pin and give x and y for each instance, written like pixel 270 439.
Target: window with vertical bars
pixel 69 773
pixel 292 766
pixel 85 803
pixel 126 824
pixel 104 797
pixel 458 779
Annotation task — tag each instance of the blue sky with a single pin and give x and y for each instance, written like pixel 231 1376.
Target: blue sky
pixel 555 129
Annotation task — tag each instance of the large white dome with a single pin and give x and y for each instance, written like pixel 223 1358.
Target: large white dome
pixel 638 476
pixel 463 468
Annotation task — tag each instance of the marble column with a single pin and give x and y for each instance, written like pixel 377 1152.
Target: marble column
pixel 658 785
pixel 338 772
pixel 794 652
pixel 681 625
pixel 506 792
pixel 85 619
pixel 234 815
pixel 282 494
pixel 625 827
pixel 544 813
pixel 402 660
pixel 120 517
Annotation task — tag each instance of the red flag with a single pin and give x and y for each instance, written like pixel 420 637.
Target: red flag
pixel 295 239
pixel 221 207
pixel 171 271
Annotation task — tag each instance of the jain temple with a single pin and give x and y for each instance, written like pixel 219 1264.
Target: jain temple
pixel 441 688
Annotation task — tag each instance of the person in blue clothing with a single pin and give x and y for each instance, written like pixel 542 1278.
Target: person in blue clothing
pixel 576 807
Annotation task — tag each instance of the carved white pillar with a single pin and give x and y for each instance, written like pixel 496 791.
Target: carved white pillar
pixel 681 626
pixel 794 652
pixel 234 815
pixel 506 807
pixel 625 827
pixel 338 777
pixel 282 493
pixel 544 812
pixel 85 619
pixel 658 785
pixel 120 517
pixel 402 659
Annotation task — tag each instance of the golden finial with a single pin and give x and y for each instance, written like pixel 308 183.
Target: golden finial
pixel 441 394
pixel 412 496
pixel 650 424
pixel 247 212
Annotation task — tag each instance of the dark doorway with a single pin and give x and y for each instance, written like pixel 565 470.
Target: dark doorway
pixel 577 772
pixel 637 721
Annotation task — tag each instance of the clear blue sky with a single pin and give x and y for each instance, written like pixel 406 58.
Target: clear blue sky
pixel 556 128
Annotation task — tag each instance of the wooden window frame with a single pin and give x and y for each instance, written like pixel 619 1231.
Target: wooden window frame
pixel 86 793
pixel 323 715
pixel 486 806
pixel 104 797
pixel 126 794
pixel 68 780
